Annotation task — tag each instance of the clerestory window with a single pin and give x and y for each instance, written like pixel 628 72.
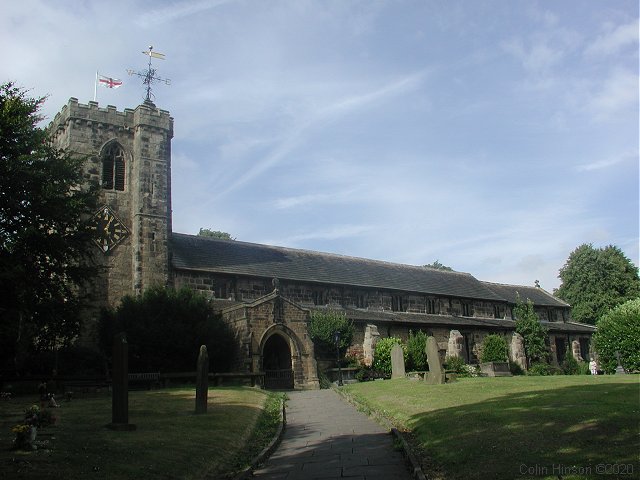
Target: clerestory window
pixel 113 167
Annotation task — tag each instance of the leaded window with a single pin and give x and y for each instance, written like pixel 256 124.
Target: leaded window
pixel 113 167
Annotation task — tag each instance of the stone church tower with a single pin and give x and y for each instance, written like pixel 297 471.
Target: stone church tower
pixel 129 156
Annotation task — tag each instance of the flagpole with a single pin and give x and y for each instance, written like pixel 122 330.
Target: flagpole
pixel 95 88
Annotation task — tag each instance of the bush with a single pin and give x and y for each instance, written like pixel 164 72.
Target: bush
pixel 515 369
pixel 540 369
pixel 494 349
pixel 416 353
pixel 323 326
pixel 382 354
pixel 570 366
pixel 456 365
pixel 619 331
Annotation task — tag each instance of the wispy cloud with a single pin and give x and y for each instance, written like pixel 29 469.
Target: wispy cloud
pixel 154 18
pixel 608 162
pixel 294 137
pixel 618 92
pixel 613 41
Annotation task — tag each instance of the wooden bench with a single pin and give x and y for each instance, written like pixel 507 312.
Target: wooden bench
pixel 150 379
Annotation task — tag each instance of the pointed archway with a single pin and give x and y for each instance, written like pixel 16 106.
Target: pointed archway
pixel 276 362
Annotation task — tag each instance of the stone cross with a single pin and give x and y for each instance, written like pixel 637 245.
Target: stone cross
pixel 120 394
pixel 619 369
pixel 397 362
pixel 202 380
pixel 435 376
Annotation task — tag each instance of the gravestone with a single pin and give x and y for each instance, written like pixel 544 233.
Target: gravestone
pixel 517 351
pixel 619 369
pixel 435 376
pixel 202 380
pixel 455 346
pixel 120 381
pixel 371 336
pixel 397 362
pixel 575 351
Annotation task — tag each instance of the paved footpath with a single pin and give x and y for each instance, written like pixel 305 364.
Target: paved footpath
pixel 326 437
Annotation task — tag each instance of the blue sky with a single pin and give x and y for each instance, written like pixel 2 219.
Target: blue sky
pixel 493 136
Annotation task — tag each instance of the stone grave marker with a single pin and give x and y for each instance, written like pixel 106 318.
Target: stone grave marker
pixel 397 362
pixel 455 345
pixel 202 380
pixel 435 376
pixel 120 393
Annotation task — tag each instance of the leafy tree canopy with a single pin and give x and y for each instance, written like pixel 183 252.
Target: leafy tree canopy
pixel 594 280
pixel 534 334
pixel 323 326
pixel 165 329
pixel 619 331
pixel 45 232
pixel 439 266
pixel 205 232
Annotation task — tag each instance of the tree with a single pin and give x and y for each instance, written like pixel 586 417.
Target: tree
pixel 594 280
pixel 323 326
pixel 439 266
pixel 205 232
pixel 619 331
pixel 534 334
pixel 46 232
pixel 165 329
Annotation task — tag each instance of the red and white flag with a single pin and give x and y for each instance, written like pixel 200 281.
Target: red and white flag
pixel 109 82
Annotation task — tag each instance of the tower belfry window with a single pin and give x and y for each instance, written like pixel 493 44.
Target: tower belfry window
pixel 113 168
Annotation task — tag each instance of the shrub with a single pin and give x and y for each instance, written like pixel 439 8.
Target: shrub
pixel 533 333
pixel 456 365
pixel 515 369
pixel 323 326
pixel 416 353
pixel 619 331
pixel 382 354
pixel 494 349
pixel 570 366
pixel 540 369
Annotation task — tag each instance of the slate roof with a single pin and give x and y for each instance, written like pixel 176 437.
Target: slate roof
pixel 538 296
pixel 191 252
pixel 452 320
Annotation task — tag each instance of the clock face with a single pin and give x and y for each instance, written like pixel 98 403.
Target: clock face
pixel 111 231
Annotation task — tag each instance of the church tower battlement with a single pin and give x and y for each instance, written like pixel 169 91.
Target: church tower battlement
pixel 129 156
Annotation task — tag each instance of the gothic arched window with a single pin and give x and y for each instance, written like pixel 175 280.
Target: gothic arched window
pixel 113 167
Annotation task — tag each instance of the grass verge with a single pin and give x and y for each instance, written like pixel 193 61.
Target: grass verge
pixel 568 427
pixel 170 441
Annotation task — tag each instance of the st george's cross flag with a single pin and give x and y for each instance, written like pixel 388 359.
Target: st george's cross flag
pixel 109 82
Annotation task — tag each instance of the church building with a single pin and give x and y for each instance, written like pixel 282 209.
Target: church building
pixel 267 293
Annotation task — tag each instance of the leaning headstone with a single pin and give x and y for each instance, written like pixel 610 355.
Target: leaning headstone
pixel 397 362
pixel 202 380
pixel 516 352
pixel 455 345
pixel 435 376
pixel 120 381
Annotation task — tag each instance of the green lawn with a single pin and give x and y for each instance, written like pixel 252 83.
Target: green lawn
pixel 519 427
pixel 170 441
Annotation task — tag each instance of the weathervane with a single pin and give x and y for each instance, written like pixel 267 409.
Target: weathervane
pixel 148 77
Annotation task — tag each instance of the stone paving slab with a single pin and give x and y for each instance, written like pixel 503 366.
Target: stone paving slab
pixel 327 438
